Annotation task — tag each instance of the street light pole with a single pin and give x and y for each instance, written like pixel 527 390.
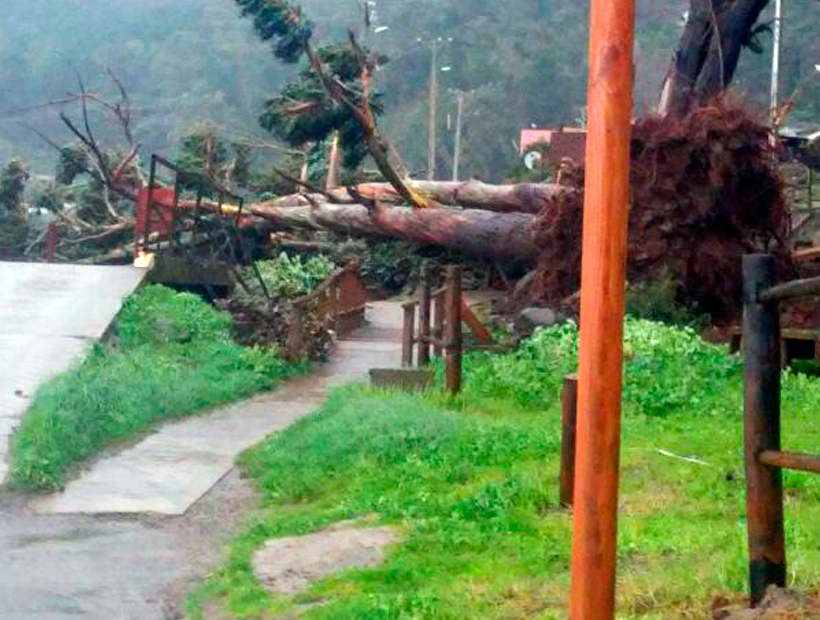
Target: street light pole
pixel 776 44
pixel 457 148
pixel 431 146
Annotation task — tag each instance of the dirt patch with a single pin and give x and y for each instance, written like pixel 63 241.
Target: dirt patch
pixel 289 565
pixel 779 604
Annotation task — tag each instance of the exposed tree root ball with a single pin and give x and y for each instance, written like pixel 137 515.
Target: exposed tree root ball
pixel 705 192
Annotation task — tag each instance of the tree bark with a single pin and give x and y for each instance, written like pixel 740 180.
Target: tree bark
pixel 520 198
pixel 708 52
pixel 503 236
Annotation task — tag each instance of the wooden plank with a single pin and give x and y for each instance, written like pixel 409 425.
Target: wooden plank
pixel 791 290
pixel 806 255
pixel 408 335
pixel 453 352
pixel 425 307
pixel 569 409
pixel 481 333
pixel 790 460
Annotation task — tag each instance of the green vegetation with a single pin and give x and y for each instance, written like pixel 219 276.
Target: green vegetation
pixel 289 277
pixel 174 357
pixel 658 301
pixel 473 483
pixel 286 278
pixel 502 55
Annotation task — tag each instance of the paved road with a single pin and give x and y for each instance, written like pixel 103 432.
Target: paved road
pixel 140 566
pixel 48 316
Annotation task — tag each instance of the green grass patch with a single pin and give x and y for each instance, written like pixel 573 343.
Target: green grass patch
pixel 473 483
pixel 173 356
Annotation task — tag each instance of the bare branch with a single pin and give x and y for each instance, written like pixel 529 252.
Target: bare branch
pixel 306 184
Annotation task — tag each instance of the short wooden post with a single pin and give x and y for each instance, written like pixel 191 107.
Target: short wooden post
pixel 295 340
pixel 51 242
pixel 438 324
pixel 336 306
pixel 408 335
pixel 453 327
pixel 569 407
pixel 425 303
pixel 764 485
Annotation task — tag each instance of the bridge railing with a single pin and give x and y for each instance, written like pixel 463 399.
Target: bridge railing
pixel 339 303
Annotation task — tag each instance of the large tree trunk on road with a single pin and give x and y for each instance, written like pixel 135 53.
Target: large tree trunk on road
pixel 708 52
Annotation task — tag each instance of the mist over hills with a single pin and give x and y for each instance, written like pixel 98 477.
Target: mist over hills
pixel 522 62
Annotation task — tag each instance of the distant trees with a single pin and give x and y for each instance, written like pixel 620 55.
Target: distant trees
pixel 13 180
pixel 207 156
pixel 13 221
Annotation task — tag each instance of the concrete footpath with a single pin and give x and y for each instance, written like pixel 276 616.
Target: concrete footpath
pixel 126 540
pixel 49 315
pixel 170 470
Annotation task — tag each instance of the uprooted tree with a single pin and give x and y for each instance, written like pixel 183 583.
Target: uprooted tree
pixel 704 182
pixel 705 186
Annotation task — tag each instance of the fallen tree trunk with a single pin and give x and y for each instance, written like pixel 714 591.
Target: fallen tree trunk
pixel 506 236
pixel 520 198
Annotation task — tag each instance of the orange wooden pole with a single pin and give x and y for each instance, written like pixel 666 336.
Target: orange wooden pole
pixel 603 275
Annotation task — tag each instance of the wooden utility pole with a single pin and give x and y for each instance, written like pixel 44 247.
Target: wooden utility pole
pixel 457 148
pixel 431 146
pixel 603 275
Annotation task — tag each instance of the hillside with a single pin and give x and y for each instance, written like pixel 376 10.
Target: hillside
pixel 521 63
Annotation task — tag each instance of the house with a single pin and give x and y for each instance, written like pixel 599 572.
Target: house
pixel 564 143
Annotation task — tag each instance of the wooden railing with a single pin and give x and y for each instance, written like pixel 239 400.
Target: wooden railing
pixel 763 456
pixel 440 314
pixel 339 303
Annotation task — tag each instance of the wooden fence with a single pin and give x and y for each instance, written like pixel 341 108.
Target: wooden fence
pixel 433 323
pixel 763 455
pixel 339 303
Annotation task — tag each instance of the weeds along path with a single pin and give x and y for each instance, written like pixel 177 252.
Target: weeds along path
pixel 49 316
pixel 157 513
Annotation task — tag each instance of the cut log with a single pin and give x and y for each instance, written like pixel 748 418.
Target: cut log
pixel 520 198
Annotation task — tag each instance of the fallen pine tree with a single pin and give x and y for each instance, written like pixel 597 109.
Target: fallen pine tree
pixel 509 198
pixel 706 191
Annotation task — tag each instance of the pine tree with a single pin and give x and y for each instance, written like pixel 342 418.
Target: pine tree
pixel 333 93
pixel 13 221
pixel 304 112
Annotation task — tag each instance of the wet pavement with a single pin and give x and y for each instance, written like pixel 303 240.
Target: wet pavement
pixel 140 566
pixel 49 316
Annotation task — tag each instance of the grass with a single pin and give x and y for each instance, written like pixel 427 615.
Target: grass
pixel 473 483
pixel 174 356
